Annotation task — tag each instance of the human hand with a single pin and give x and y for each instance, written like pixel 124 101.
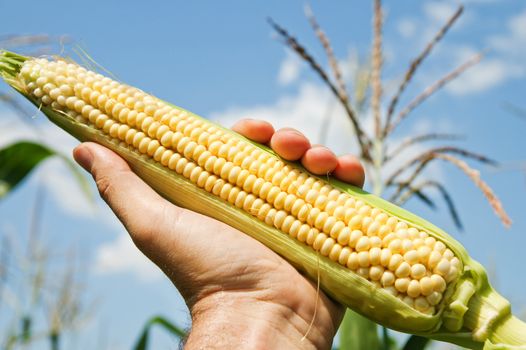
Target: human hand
pixel 240 293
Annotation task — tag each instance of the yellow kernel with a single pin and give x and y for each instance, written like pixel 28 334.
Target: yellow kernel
pixel 329 224
pixel 375 241
pixel 388 239
pixel 387 279
pixel 430 242
pixel 439 284
pixel 339 213
pixel 418 271
pixel 366 221
pixel 354 237
pixel 373 229
pixel 344 237
pixel 344 255
pixel 423 254
pixel 303 232
pixel 401 284
pixel 439 247
pixel 395 246
pixel 337 228
pixel 152 147
pixel 364 259
pixel 434 259
pixel 413 289
pixel 456 263
pixel 381 218
pixel 174 159
pixel 320 202
pixel 356 222
pixel 421 304
pixel 401 226
pixel 443 267
pixel 287 223
pixel 403 270
pixel 434 298
pixel 181 164
pixel 411 257
pixel 352 261
pixel 335 252
pixel 375 255
pixel 363 244
pixel 320 240
pixel 426 285
pixel 452 274
pixel 407 245
pixel 392 222
pixel 376 272
pixel 385 256
pixel 395 261
pixel 327 246
pixel 448 254
pixel 269 218
pixel 320 220
pixel 402 234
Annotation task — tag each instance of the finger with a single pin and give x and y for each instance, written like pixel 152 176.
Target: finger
pixel 349 169
pixel 133 201
pixel 319 160
pixel 289 143
pixel 256 130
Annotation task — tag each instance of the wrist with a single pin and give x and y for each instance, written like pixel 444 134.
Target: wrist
pixel 231 320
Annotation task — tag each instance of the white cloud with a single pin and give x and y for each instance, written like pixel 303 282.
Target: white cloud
pixel 506 61
pixel 484 76
pixel 406 28
pixel 122 256
pixel 513 42
pixel 290 69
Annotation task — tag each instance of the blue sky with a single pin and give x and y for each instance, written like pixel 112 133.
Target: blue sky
pixel 221 60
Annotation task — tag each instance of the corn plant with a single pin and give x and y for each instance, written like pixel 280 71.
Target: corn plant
pixel 30 284
pixel 376 150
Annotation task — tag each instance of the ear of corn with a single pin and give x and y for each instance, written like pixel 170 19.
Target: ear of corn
pixel 376 258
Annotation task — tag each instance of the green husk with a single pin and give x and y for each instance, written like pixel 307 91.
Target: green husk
pixel 471 313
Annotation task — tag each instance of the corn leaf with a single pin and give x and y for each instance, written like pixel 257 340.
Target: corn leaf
pixel 416 342
pixel 357 332
pixel 19 159
pixel 142 343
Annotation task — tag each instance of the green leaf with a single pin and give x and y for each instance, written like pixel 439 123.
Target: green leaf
pixel 20 158
pixel 142 343
pixel 358 332
pixel 17 161
pixel 416 342
pixel 25 337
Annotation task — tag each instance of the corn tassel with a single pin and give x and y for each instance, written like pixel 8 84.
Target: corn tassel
pixel 377 259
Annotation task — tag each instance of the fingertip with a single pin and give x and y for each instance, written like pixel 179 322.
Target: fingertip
pixel 350 170
pixel 83 156
pixel 93 157
pixel 257 130
pixel 290 144
pixel 319 160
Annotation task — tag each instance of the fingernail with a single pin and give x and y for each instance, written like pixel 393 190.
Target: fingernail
pixel 84 157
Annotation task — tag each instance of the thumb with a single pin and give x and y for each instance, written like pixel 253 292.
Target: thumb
pixel 136 204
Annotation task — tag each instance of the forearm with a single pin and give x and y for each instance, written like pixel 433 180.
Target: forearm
pixel 245 323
